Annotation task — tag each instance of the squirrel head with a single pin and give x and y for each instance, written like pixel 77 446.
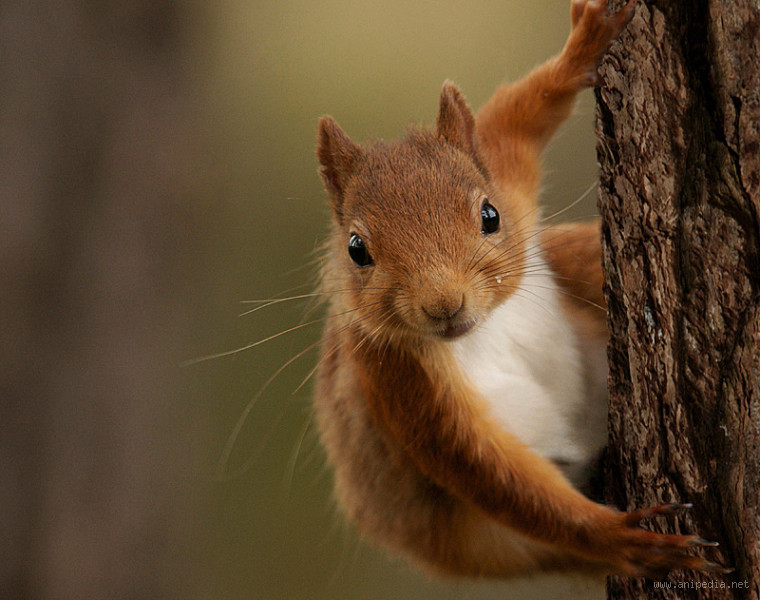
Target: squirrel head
pixel 423 244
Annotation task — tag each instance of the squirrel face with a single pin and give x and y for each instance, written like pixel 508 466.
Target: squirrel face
pixel 423 244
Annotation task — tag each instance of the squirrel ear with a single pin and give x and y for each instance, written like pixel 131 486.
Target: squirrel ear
pixel 455 123
pixel 339 157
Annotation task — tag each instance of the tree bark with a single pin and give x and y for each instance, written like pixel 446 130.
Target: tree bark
pixel 679 129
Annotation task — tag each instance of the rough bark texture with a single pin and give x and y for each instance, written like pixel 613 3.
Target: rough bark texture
pixel 679 127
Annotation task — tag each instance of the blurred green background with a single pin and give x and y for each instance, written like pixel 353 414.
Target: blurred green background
pixel 272 69
pixel 158 172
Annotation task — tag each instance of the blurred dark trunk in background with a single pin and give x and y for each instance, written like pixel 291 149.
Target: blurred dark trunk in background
pixel 98 493
pixel 680 140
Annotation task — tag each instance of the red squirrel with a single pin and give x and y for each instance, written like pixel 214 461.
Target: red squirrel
pixel 461 390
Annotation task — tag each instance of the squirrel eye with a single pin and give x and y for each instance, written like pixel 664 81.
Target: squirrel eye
pixel 358 251
pixel 489 218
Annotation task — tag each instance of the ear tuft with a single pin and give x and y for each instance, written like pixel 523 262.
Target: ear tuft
pixel 455 122
pixel 339 157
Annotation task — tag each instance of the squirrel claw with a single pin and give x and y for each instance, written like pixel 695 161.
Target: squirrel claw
pixel 592 79
pixel 654 555
pixel 700 541
pixel 713 567
pixel 592 31
pixel 637 516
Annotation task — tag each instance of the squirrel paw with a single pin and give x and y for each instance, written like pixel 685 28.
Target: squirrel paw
pixel 644 553
pixel 592 32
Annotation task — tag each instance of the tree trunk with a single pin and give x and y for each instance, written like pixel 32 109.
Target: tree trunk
pixel 98 497
pixel 679 128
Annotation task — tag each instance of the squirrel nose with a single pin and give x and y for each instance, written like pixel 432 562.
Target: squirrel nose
pixel 445 308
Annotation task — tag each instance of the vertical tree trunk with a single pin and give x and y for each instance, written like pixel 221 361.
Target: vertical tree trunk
pixel 679 127
pixel 97 493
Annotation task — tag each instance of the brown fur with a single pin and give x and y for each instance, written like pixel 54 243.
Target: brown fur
pixel 419 465
pixel 574 253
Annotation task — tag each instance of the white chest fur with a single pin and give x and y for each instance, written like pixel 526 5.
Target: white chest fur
pixel 527 361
